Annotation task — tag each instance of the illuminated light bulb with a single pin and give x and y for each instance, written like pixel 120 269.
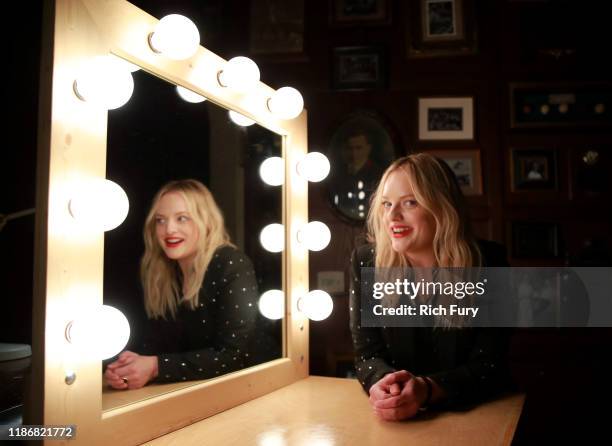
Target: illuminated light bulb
pixel 361 195
pixel 239 73
pixel 286 103
pixel 99 205
pixel 239 119
pixel 315 235
pixel 272 304
pixel 189 96
pixel 176 37
pixel 272 171
pixel 104 83
pixel 316 305
pixel 314 167
pixel 272 237
pixel 125 64
pixel 99 332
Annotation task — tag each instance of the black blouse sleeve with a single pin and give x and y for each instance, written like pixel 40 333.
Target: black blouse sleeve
pixel 230 292
pixel 371 355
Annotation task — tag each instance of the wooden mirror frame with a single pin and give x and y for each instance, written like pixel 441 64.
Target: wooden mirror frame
pixel 69 265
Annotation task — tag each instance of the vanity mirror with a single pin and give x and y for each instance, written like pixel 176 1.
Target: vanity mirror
pixel 70 266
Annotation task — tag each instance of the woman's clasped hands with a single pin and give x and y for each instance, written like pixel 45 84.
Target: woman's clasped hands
pixel 398 396
pixel 131 371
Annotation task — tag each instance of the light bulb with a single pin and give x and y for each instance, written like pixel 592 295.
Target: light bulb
pixel 315 235
pixel 189 96
pixel 239 119
pixel 99 205
pixel 314 167
pixel 272 171
pixel 176 37
pixel 99 332
pixel 272 304
pixel 286 103
pixel 104 83
pixel 272 237
pixel 316 305
pixel 239 73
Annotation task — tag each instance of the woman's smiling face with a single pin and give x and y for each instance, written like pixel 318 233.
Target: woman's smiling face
pixel 176 231
pixel 410 227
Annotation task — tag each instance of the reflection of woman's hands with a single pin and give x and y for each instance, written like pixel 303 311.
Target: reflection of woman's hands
pixel 398 396
pixel 131 371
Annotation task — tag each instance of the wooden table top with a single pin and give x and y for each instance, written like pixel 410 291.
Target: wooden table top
pixel 335 411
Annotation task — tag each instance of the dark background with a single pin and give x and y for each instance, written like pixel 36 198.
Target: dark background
pixel 562 370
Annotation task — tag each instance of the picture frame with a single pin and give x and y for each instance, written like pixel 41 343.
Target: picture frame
pixel 535 240
pixel 359 12
pixel 361 147
pixel 466 166
pixel 540 105
pixel 441 28
pixel 277 29
pixel 359 68
pixel 449 118
pixel 534 169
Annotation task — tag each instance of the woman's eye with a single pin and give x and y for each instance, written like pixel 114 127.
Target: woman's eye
pixel 410 203
pixel 386 204
pixel 160 221
pixel 183 218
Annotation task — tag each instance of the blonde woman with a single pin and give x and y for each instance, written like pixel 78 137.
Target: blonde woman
pixel 200 293
pixel 418 219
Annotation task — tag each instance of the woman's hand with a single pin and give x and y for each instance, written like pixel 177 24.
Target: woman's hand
pixel 398 396
pixel 131 371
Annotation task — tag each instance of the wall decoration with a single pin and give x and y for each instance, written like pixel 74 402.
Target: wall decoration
pixel 360 12
pixel 466 166
pixel 535 240
pixel 446 118
pixel 360 149
pixel 534 169
pixel 277 27
pixel 359 68
pixel 542 105
pixel 441 28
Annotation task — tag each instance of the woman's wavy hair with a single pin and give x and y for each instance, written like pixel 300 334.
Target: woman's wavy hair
pixel 161 277
pixel 437 191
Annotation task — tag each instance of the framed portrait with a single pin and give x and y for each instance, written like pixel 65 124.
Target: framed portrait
pixel 535 240
pixel 534 169
pixel 360 12
pixel 466 166
pixel 359 68
pixel 446 118
pixel 440 28
pixel 361 147
pixel 561 105
pixel 277 28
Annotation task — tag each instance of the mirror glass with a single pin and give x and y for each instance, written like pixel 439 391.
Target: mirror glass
pixel 158 137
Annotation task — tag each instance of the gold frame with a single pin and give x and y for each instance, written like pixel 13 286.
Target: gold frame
pixel 69 266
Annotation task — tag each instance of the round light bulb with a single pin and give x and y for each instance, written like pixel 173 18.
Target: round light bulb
pixel 189 96
pixel 100 332
pixel 316 305
pixel 176 37
pixel 239 73
pixel 272 304
pixel 286 103
pixel 315 235
pixel 314 167
pixel 99 205
pixel 272 237
pixel 272 171
pixel 104 83
pixel 239 119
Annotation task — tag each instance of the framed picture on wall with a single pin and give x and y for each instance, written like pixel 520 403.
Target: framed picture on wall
pixel 535 240
pixel 533 169
pixel 359 68
pixel 277 28
pixel 466 166
pixel 440 28
pixel 446 118
pixel 360 12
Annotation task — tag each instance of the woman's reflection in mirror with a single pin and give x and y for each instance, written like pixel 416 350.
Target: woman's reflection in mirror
pixel 200 295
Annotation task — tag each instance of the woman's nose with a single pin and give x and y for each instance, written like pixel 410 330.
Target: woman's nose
pixel 395 212
pixel 170 227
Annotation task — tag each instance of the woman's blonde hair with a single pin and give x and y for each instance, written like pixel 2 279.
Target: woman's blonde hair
pixel 161 276
pixel 437 191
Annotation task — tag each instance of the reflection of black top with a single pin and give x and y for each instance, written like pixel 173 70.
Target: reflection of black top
pixel 349 191
pixel 219 335
pixel 468 363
